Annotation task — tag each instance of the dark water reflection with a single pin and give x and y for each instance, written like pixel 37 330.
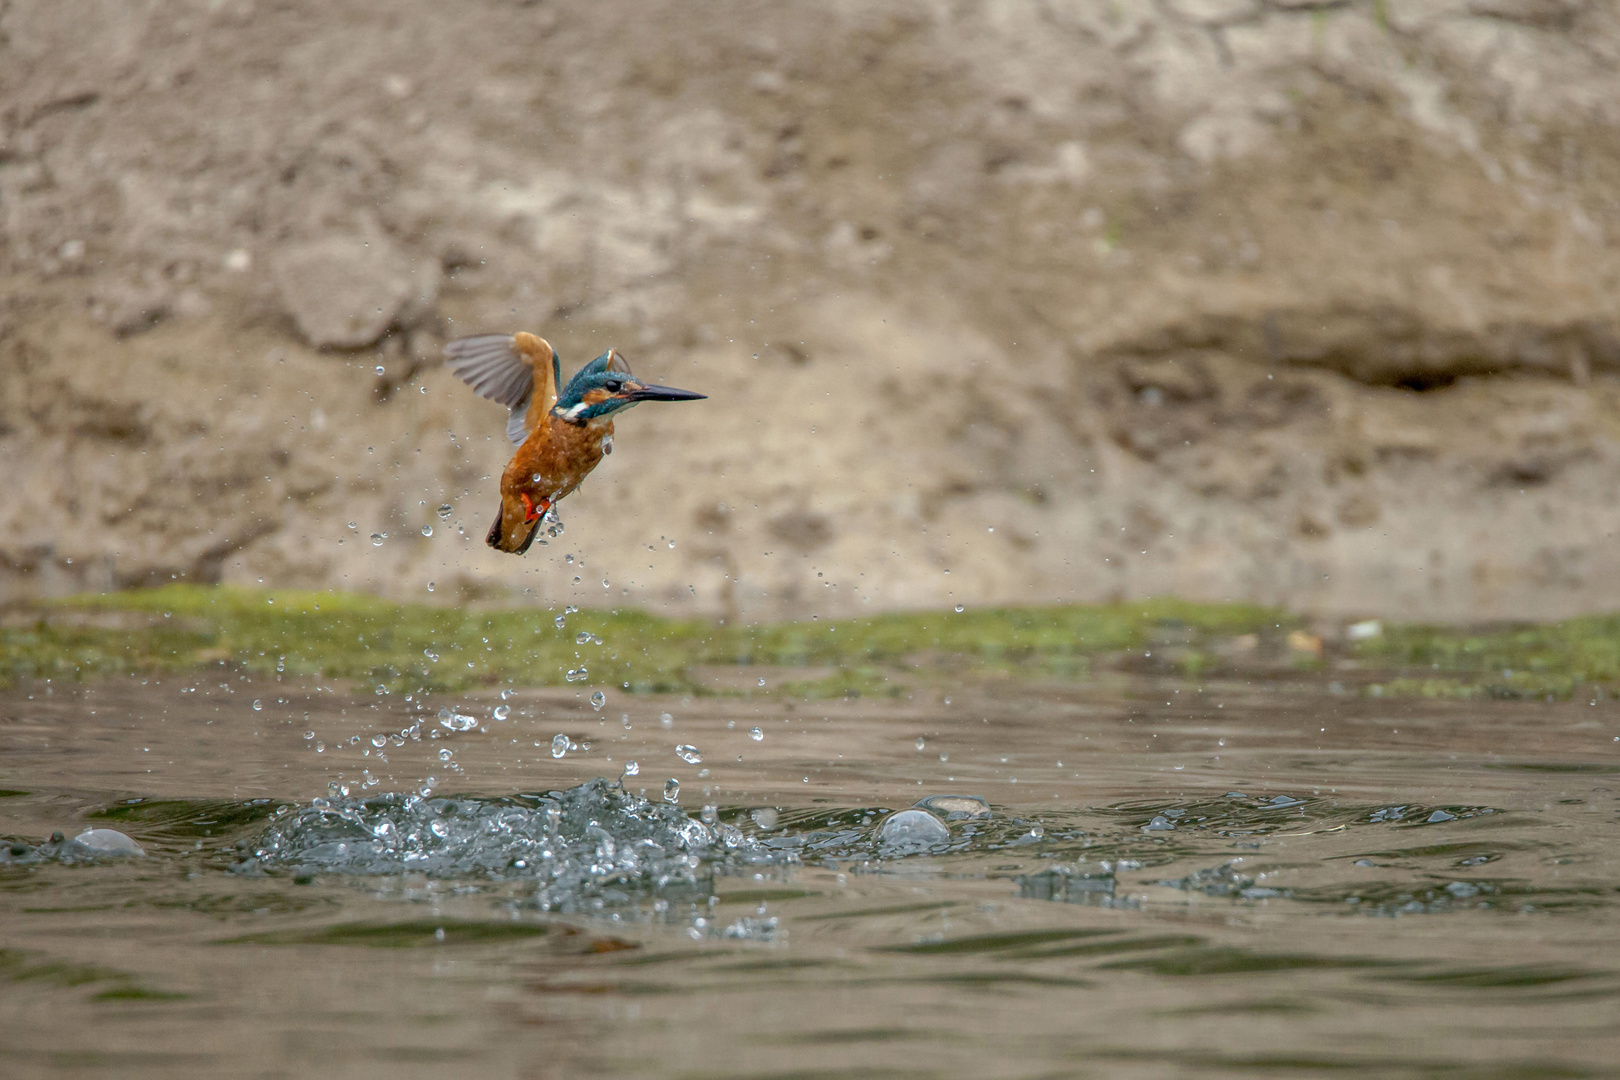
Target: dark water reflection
pixel 1172 880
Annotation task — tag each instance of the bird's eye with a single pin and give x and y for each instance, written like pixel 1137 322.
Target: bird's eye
pixel 613 386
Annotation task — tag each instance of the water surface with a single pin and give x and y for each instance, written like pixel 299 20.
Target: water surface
pixel 1132 879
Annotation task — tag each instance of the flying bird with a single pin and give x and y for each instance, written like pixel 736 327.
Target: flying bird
pixel 560 434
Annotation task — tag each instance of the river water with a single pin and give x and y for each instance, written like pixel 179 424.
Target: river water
pixel 1121 879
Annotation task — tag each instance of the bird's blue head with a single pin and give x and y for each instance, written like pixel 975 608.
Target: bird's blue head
pixel 605 385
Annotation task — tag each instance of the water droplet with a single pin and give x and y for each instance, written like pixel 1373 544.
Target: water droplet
pixel 354 525
pixel 688 753
pixel 666 719
pixel 672 543
pixel 430 586
pixel 762 680
pixel 756 734
pixel 959 609
pixel 446 754
pixel 766 817
pixel 920 743
pixel 381 370
pixel 582 638
pixel 625 720
pixel 430 654
pixel 559 745
pixel 376 539
pixel 379 741
pixel 456 721
pixel 427 530
pixel 501 712
pixel 439 829
pixel 560 621
pixel 320 748
pixel 258 706
pixel 710 813
pixel 1037 831
pixel 578 674
pixel 598 700
pixel 631 768
pixel 506 695
pixel 309 734
pixel 672 790
pixel 444 510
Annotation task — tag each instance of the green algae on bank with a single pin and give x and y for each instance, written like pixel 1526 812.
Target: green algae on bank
pixel 349 635
pixel 1556 660
pixel 418 646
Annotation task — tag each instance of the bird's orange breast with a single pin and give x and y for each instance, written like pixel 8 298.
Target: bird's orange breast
pixel 555 457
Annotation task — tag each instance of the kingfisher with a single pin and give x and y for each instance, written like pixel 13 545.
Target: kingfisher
pixel 561 432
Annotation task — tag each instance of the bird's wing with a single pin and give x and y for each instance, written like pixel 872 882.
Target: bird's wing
pixel 506 368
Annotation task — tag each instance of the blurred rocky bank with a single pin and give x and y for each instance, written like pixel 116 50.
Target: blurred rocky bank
pixel 1310 302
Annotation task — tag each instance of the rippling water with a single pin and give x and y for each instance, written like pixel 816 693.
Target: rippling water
pixel 1137 879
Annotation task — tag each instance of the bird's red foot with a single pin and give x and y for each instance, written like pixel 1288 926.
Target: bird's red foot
pixel 532 511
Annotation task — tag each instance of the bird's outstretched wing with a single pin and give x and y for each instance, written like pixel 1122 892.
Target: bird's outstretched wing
pixel 518 370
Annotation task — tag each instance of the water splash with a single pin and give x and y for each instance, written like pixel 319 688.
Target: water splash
pixel 549 528
pixel 595 842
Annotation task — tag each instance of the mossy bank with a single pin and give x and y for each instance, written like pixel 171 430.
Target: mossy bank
pixel 332 635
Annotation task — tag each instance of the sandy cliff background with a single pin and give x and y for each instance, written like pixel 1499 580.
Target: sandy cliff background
pixel 1315 303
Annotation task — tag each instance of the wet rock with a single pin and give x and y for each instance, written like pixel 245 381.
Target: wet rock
pixel 347 291
pixel 956 807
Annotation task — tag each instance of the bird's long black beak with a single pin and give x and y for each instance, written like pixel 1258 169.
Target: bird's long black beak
pixel 662 393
